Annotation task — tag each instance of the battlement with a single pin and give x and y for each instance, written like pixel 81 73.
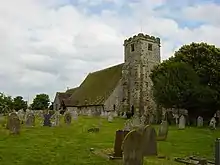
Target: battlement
pixel 143 37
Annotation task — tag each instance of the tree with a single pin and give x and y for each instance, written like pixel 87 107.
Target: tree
pixel 189 80
pixel 19 103
pixel 40 102
pixel 6 103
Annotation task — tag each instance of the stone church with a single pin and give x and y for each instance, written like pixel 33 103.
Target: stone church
pixel 123 87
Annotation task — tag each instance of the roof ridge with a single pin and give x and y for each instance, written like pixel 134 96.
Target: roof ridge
pixel 106 68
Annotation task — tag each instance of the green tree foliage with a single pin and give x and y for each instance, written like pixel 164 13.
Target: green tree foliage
pixel 40 102
pixel 19 103
pixel 6 103
pixel 190 79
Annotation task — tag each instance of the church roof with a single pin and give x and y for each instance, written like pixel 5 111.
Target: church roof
pixel 96 88
pixel 71 90
pixel 62 95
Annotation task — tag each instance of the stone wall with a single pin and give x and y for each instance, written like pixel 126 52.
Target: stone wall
pixel 114 100
pixel 56 103
pixel 96 110
pixel 142 53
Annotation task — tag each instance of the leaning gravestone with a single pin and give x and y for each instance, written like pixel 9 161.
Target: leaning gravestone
pixel 30 120
pixel 14 124
pixel 132 149
pixel 199 121
pixel 182 122
pixel 163 131
pixel 149 141
pixel 67 118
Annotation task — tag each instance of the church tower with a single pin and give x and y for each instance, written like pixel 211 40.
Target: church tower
pixel 141 54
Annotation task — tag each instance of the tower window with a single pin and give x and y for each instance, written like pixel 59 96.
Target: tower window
pixel 132 47
pixel 150 47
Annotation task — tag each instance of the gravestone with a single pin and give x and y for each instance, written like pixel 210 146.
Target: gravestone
pixel 124 116
pixel 163 131
pixel 182 122
pixel 13 123
pixel 212 123
pixel 176 117
pixel 110 118
pixel 119 137
pixel 89 112
pixel 21 115
pixel 56 118
pixel 127 125
pixel 199 121
pixel 132 149
pixel 47 119
pixel 149 141
pixel 115 114
pixel 136 121
pixel 10 115
pixel 67 118
pixel 30 120
pixel 75 115
pixel 151 119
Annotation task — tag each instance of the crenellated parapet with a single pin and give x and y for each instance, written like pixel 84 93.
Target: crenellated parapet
pixel 142 37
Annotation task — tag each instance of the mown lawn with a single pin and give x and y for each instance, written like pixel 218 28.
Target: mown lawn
pixel 70 145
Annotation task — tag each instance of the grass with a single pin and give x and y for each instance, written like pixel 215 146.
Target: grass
pixel 70 145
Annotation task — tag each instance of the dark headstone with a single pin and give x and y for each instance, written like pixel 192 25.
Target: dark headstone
pixel 68 118
pixel 47 121
pixel 119 137
pixel 217 151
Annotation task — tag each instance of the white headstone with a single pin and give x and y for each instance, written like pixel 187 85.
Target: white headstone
pixel 124 115
pixel 115 114
pixel 110 118
pixel 75 115
pixel 212 123
pixel 199 121
pixel 182 122
pixel 89 112
pixel 176 117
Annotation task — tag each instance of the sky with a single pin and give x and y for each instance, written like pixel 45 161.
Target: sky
pixel 49 45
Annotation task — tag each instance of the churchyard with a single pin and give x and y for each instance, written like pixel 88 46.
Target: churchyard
pixel 89 140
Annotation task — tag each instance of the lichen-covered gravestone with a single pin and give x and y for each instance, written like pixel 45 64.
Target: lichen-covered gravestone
pixel 13 123
pixel 132 149
pixel 199 121
pixel 56 118
pixel 149 141
pixel 182 122
pixel 163 131
pixel 30 121
pixel 67 118
pixel 47 117
pixel 10 115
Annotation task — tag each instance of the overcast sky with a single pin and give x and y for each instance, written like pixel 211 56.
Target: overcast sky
pixel 49 45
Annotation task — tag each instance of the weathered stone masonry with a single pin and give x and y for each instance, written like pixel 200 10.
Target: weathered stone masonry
pixel 141 54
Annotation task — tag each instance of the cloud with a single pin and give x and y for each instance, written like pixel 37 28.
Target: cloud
pixel 47 46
